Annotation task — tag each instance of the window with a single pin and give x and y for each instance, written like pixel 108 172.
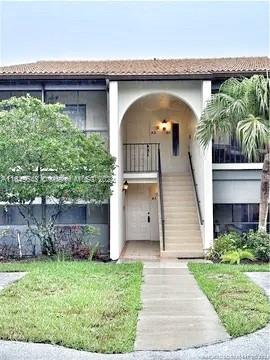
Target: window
pixel 10 215
pixel 175 139
pixel 76 214
pixel 77 114
pixel 240 213
pixel 236 217
pixel 98 214
pixel 253 213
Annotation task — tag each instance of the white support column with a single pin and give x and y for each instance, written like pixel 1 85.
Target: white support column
pixel 207 178
pixel 116 213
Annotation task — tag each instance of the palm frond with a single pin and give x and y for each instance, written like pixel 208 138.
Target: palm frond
pixel 214 119
pixel 232 87
pixel 242 106
pixel 262 91
pixel 253 135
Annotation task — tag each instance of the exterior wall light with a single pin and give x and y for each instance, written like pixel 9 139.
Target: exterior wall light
pixel 125 186
pixel 165 126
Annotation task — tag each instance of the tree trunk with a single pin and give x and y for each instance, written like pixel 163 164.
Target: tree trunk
pixel 43 211
pixel 265 179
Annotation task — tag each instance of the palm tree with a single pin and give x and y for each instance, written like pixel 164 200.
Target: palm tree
pixel 241 108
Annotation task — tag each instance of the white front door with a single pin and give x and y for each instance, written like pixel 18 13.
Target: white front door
pixel 138 212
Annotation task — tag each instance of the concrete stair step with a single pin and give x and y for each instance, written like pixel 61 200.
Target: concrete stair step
pixel 175 201
pixel 183 181
pixel 181 221
pixel 185 213
pixel 182 231
pixel 181 234
pixel 168 180
pixel 176 175
pixel 178 198
pixel 176 240
pixel 181 227
pixel 190 242
pixel 180 247
pixel 178 194
pixel 186 183
pixel 177 186
pixel 179 203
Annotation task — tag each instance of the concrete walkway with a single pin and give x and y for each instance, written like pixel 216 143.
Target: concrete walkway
pixel 250 347
pixel 9 278
pixel 175 314
pixel 262 279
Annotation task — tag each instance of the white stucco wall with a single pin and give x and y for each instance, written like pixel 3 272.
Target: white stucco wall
pixel 122 96
pixel 236 186
pixel 187 91
pixel 202 164
pixel 116 200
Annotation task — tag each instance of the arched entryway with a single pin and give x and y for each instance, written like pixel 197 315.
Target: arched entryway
pixel 162 119
pixel 157 131
pixel 136 108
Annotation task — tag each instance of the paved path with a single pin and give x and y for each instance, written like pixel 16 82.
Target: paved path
pixel 262 279
pixel 176 314
pixel 250 347
pixel 9 278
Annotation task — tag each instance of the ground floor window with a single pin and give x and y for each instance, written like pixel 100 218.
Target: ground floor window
pixel 79 214
pixel 236 217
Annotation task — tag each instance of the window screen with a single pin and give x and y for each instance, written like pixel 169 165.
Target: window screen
pixel 77 114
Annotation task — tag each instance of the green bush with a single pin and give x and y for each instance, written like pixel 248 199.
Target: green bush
pixel 223 244
pixel 236 256
pixel 259 243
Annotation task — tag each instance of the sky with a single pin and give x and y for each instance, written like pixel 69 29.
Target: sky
pixel 53 30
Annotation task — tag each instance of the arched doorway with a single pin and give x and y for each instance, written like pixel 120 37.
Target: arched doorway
pixel 157 132
pixel 158 119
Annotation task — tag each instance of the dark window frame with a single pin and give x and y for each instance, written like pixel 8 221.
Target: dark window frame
pixel 175 139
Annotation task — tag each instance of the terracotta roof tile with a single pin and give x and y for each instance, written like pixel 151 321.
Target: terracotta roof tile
pixel 154 67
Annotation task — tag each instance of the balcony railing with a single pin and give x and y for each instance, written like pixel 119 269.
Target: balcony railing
pixel 141 157
pixel 223 154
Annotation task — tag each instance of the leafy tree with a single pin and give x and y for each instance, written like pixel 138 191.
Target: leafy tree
pixel 241 107
pixel 43 155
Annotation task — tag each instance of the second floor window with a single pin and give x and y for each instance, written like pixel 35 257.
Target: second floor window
pixel 77 114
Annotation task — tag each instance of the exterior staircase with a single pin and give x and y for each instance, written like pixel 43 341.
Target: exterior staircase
pixel 182 228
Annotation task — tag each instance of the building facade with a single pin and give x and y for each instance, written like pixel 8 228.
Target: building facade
pixel 169 195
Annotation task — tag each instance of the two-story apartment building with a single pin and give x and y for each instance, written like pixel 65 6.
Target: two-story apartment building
pixel 170 197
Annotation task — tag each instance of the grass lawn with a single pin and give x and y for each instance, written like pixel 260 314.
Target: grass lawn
pixel 81 305
pixel 240 304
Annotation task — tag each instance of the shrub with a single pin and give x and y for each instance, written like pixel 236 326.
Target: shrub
pixel 223 244
pixel 77 242
pixel 259 243
pixel 236 256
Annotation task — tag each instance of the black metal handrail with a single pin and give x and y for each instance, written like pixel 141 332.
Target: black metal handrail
pixel 141 157
pixel 225 153
pixel 161 200
pixel 195 185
